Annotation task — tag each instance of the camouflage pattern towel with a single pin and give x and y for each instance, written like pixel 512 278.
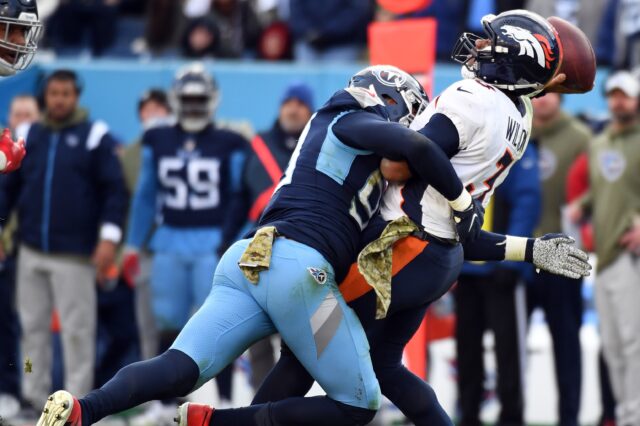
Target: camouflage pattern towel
pixel 257 256
pixel 375 261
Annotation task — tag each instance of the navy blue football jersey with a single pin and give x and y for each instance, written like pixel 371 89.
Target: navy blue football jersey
pixel 330 189
pixel 195 173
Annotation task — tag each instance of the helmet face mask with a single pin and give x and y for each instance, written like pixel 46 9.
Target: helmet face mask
pixel 522 54
pixel 17 51
pixel 402 96
pixel 194 97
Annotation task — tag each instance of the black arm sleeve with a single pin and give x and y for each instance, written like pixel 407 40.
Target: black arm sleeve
pixel 492 247
pixel 368 131
pixel 441 130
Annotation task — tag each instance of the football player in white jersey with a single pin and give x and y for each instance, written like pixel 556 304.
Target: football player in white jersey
pixel 20 30
pixel 482 123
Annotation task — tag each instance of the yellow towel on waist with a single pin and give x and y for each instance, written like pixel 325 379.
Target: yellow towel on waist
pixel 375 261
pixel 257 255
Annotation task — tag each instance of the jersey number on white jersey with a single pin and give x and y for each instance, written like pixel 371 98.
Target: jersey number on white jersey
pixel 480 189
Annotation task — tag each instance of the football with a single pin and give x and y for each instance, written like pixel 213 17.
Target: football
pixel 579 60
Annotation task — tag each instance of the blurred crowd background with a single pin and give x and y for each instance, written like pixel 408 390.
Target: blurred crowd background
pixel 300 30
pixel 103 63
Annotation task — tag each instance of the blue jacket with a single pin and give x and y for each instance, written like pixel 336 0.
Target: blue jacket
pixel 69 187
pixel 517 203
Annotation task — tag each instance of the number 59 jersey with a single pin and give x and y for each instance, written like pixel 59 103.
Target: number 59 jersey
pixel 196 173
pixel 493 133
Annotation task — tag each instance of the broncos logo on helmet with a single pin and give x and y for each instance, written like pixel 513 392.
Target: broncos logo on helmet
pixel 519 53
pixel 533 45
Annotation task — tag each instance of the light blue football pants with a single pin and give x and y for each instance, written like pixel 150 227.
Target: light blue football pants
pixel 291 298
pixel 180 284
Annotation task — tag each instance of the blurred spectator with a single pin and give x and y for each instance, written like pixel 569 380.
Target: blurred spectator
pixel 614 203
pixel 275 42
pixel 76 23
pixel 577 185
pixel 271 152
pixel 153 111
pixel 229 29
pixel 70 200
pixel 23 110
pixel 491 297
pixel 560 139
pixel 329 30
pixel 201 38
pixel 189 191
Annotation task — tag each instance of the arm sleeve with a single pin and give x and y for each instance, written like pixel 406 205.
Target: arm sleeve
pixel 441 130
pixel 143 206
pixel 236 206
pixel 490 247
pixel 368 131
pixel 487 247
pixel 113 188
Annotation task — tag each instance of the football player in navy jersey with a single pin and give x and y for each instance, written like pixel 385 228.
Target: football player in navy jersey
pixel 283 278
pixel 20 30
pixel 483 128
pixel 188 199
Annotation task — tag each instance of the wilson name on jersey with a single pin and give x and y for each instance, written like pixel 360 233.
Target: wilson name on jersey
pixel 493 133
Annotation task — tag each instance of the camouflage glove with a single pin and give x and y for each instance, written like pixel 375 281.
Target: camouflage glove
pixel 555 253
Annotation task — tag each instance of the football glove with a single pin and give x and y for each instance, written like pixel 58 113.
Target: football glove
pixel 555 253
pixel 469 221
pixel 14 152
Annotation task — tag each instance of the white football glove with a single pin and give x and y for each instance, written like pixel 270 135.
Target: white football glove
pixel 555 253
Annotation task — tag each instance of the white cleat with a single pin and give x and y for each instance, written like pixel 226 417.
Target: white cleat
pixel 61 409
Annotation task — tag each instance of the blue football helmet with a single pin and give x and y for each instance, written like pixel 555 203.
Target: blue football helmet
pixel 20 30
pixel 403 96
pixel 524 54
pixel 194 97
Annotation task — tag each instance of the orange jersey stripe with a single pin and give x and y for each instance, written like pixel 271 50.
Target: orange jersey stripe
pixel 404 251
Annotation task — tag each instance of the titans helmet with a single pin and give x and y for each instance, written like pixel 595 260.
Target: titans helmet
pixel 522 54
pixel 20 30
pixel 403 96
pixel 194 97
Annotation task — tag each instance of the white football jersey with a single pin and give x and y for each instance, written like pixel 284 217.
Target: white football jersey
pixel 493 134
